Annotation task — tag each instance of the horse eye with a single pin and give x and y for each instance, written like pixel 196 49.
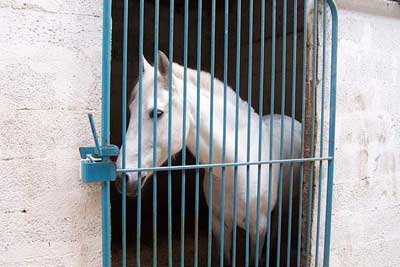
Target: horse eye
pixel 159 113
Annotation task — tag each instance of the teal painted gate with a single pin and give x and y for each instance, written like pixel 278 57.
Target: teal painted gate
pixel 98 167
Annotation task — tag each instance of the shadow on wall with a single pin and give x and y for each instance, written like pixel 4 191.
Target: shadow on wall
pixel 146 245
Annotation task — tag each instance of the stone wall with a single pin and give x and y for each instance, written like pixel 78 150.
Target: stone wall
pixel 50 72
pixel 366 214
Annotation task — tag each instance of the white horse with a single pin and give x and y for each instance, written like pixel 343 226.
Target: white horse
pixel 177 123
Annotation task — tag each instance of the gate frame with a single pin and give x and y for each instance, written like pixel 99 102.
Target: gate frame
pixel 105 126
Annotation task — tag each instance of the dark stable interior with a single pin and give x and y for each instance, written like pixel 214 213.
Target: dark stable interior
pixel 116 113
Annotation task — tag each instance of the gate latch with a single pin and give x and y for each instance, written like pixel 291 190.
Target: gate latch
pixel 96 165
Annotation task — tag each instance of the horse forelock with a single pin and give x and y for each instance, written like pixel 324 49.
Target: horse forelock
pixel 135 90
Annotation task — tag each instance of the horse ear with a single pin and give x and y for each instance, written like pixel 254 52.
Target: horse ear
pixel 145 63
pixel 163 63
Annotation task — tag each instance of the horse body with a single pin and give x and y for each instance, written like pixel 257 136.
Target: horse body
pixel 253 183
pixel 205 101
pixel 243 172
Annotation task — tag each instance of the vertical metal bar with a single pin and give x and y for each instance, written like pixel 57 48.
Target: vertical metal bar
pixel 321 148
pixel 139 187
pixel 185 56
pixel 249 88
pixel 313 92
pixel 197 185
pixel 105 128
pixel 303 121
pixel 124 78
pixel 235 174
pixel 156 24
pixel 260 129
pixel 278 258
pixel 210 197
pixel 171 53
pixel 294 69
pixel 332 120
pixel 271 133
pixel 222 215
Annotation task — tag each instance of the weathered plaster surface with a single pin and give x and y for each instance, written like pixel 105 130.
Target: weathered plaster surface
pixel 50 68
pixel 50 78
pixel 366 193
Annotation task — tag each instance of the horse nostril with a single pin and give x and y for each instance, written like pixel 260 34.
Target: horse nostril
pixel 118 183
pixel 131 183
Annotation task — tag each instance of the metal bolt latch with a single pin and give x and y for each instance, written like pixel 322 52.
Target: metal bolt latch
pixel 96 165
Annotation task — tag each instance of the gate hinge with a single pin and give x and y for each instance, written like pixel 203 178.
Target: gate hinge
pixel 96 165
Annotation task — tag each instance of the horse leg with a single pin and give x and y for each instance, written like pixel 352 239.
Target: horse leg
pixel 227 244
pixel 262 230
pixel 263 233
pixel 227 239
pixel 217 234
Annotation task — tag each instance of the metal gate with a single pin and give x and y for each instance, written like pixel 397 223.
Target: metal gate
pixel 317 83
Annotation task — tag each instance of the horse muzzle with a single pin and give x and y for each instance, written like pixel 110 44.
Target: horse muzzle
pixel 131 184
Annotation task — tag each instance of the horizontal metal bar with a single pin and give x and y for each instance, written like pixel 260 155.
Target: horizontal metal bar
pixel 229 164
pixel 102 151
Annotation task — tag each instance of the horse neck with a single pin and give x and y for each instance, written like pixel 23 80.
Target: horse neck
pixel 218 125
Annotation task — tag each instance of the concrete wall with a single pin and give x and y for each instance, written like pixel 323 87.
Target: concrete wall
pixel 366 201
pixel 50 69
pixel 50 79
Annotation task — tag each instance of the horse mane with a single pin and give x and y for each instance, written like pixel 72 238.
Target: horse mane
pixel 205 84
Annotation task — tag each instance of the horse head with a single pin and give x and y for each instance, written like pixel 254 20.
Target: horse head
pixel 154 112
